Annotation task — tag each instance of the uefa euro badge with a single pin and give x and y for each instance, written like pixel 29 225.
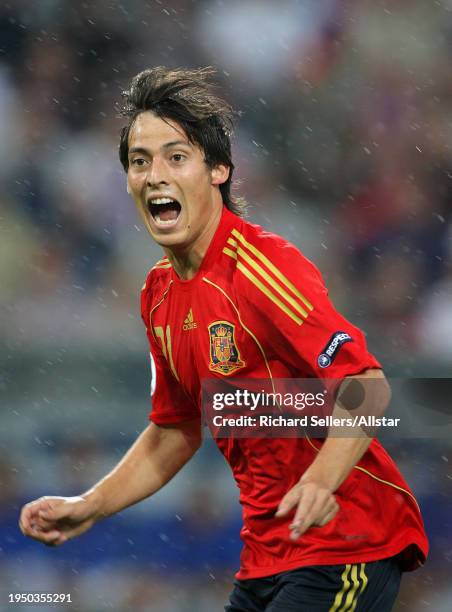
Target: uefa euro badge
pixel 224 354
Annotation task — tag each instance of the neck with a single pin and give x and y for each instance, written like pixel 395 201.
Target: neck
pixel 187 260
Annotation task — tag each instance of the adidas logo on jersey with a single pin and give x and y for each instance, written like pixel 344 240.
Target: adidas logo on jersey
pixel 188 322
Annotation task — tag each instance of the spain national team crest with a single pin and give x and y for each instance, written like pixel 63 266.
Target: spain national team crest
pixel 224 354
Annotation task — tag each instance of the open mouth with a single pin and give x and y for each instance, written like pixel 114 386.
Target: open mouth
pixel 164 211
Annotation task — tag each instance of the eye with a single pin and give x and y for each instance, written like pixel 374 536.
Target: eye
pixel 178 157
pixel 137 161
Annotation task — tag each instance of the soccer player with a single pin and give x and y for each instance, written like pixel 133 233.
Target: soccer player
pixel 328 525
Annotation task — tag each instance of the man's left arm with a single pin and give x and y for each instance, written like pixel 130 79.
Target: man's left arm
pixel 313 496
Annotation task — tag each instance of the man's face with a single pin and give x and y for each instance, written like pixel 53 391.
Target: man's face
pixel 174 190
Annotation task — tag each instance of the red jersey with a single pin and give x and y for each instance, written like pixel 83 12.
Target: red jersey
pixel 274 305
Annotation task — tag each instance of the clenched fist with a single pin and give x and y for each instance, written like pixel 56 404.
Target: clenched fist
pixel 54 520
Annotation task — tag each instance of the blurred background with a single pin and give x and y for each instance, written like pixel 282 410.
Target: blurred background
pixel 343 145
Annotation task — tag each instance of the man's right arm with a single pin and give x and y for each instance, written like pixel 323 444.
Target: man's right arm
pixel 156 456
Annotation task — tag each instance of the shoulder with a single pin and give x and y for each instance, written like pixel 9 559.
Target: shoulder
pixel 269 256
pixel 157 280
pixel 272 277
pixel 160 270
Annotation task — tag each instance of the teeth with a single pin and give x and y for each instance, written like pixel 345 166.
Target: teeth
pixel 162 201
pixel 163 222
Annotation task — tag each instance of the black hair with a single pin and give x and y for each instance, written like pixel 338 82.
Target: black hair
pixel 186 97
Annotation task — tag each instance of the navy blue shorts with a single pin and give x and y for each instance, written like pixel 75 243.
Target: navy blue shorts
pixel 358 587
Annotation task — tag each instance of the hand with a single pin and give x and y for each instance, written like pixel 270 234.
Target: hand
pixel 54 520
pixel 315 505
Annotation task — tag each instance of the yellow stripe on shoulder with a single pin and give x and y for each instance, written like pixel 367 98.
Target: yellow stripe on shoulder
pixel 270 266
pixel 261 271
pixel 268 293
pixel 260 285
pixel 162 263
pixel 257 270
pixel 232 254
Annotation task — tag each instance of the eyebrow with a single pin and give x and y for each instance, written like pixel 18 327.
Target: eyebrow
pixel 167 145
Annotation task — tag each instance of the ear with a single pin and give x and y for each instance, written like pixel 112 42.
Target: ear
pixel 220 174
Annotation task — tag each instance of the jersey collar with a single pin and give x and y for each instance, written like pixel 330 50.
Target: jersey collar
pixel 228 221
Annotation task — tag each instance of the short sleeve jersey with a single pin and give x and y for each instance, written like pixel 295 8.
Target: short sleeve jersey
pixel 271 302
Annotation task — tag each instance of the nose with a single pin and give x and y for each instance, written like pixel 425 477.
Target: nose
pixel 157 174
